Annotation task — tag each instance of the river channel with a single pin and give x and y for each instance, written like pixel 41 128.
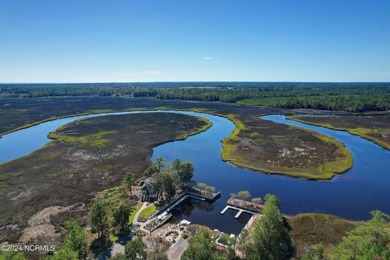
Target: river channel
pixel 351 195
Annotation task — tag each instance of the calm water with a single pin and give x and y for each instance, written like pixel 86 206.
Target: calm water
pixel 351 195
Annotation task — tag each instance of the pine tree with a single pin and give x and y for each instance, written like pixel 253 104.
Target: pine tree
pixel 270 238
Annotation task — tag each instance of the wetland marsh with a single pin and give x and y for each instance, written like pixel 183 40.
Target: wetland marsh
pixel 357 187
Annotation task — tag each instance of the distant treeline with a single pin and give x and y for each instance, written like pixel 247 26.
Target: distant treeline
pixel 350 97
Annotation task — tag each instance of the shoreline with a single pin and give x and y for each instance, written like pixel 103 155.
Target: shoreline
pixel 328 174
pixel 350 131
pixel 228 148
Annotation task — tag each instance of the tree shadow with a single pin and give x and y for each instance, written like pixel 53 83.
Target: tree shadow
pixel 100 247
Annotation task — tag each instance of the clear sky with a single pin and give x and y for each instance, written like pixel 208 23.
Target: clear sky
pixel 194 40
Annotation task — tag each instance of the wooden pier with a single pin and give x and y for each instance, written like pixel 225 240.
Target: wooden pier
pixel 245 205
pixel 209 197
pixel 240 210
pixel 242 206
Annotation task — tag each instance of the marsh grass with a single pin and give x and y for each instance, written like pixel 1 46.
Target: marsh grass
pixel 309 229
pixel 325 171
pixel 3 177
pixel 366 133
pixel 206 125
pixel 98 140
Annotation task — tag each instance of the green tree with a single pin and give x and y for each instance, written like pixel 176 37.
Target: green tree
pixel 136 249
pixel 165 183
pixel 158 183
pixel 256 200
pixel 200 248
pixel 65 253
pixel 209 189
pixel 129 181
pixel 185 172
pixel 270 237
pixel 228 254
pixel 121 215
pixel 242 241
pixel 151 170
pixel 201 185
pixel 160 164
pixel 244 195
pixel 11 255
pixel 99 218
pixel 176 165
pixel 315 253
pixel 204 187
pixel 75 239
pixel 169 186
pixel 370 240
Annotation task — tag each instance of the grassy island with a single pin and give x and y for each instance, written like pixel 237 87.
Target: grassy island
pixel 266 146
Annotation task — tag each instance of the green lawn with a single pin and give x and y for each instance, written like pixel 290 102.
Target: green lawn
pixel 132 215
pixel 148 211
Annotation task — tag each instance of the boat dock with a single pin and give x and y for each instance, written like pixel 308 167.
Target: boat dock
pixel 242 206
pixel 240 210
pixel 209 197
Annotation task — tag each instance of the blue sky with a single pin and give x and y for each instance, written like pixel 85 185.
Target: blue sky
pixel 194 40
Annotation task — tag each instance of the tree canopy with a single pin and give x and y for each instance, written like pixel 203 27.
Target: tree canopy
pixel 200 247
pixel 167 177
pixel 351 97
pixel 184 172
pixel 129 180
pixel 99 218
pixel 369 240
pixel 121 215
pixel 244 194
pixel 270 237
pixel 136 249
pixel 165 184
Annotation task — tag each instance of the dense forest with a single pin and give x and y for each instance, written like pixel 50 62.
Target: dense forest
pixel 349 97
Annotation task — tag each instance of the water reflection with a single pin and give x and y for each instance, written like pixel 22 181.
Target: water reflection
pixel 351 195
pixel 197 212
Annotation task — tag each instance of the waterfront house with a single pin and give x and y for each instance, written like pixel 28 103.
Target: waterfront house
pixel 147 191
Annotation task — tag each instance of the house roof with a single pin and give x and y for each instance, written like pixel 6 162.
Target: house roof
pixel 147 184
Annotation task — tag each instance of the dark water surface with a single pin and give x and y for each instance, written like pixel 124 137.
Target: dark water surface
pixel 351 195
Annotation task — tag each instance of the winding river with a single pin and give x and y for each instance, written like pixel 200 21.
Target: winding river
pixel 351 195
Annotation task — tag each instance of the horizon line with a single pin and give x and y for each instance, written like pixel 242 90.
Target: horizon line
pixel 219 81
